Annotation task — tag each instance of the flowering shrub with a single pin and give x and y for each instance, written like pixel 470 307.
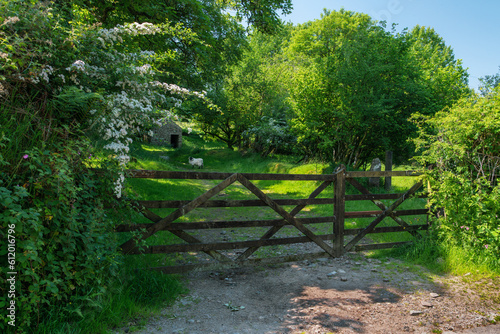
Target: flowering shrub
pixel 116 76
pixel 57 82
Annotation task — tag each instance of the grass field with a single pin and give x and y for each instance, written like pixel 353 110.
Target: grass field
pixel 217 158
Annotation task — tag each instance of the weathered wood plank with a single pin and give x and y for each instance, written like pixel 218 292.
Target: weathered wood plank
pixel 130 244
pixel 382 216
pixel 158 204
pixel 278 226
pixel 387 229
pixel 187 237
pixel 155 174
pixel 257 192
pixel 382 206
pixel 205 247
pixel 225 224
pixel 397 213
pixel 388 168
pixel 263 222
pixel 247 263
pixel 339 212
pixel 151 204
pixel 370 196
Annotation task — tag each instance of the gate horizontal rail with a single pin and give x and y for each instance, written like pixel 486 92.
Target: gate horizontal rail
pixel 156 174
pixel 259 243
pixel 265 222
pixel 223 203
pixel 338 179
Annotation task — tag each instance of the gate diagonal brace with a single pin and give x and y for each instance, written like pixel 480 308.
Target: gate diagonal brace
pixel 283 213
pixel 273 230
pixel 383 207
pixel 164 222
pixel 186 237
pixel 380 217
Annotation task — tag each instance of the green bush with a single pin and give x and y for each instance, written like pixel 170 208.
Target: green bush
pixel 63 250
pixel 461 147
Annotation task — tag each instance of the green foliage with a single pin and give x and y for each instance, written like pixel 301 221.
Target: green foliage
pixel 261 14
pixel 471 218
pixel 442 77
pixel 270 137
pixel 462 148
pixel 197 63
pixel 64 251
pixel 488 83
pixel 131 298
pixel 355 85
pixel 251 95
pixel 32 43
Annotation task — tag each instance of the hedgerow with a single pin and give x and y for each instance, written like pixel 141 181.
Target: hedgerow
pixel 461 147
pixel 61 247
pixel 70 88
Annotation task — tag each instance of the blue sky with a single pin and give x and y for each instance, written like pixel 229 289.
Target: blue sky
pixel 471 28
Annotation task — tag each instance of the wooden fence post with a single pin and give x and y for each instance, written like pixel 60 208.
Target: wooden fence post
pixel 388 167
pixel 339 212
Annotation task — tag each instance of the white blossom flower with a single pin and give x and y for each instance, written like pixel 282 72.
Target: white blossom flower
pixel 10 20
pixel 78 65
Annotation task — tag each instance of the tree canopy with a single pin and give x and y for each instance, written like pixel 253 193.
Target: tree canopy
pixel 345 85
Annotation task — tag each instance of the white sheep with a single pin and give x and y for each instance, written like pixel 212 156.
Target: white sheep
pixel 196 162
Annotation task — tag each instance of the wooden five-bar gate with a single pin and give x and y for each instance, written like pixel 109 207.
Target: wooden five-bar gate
pixel 220 260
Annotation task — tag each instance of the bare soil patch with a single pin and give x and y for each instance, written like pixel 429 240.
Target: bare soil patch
pixel 352 294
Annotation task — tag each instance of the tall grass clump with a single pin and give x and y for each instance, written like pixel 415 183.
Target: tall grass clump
pixel 461 148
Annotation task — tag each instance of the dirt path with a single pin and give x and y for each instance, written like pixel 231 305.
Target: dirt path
pixel 352 294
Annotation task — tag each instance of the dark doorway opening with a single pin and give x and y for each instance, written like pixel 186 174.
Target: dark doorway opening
pixel 174 141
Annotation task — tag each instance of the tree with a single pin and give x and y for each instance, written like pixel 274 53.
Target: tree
pixel 220 37
pixel 252 93
pixel 344 89
pixel 261 14
pixel 355 85
pixel 198 63
pixel 489 83
pixel 443 76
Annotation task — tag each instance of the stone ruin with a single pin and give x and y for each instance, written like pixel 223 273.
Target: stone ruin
pixel 169 134
pixel 376 167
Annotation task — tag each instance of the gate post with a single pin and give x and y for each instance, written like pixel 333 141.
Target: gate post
pixel 388 167
pixel 339 212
